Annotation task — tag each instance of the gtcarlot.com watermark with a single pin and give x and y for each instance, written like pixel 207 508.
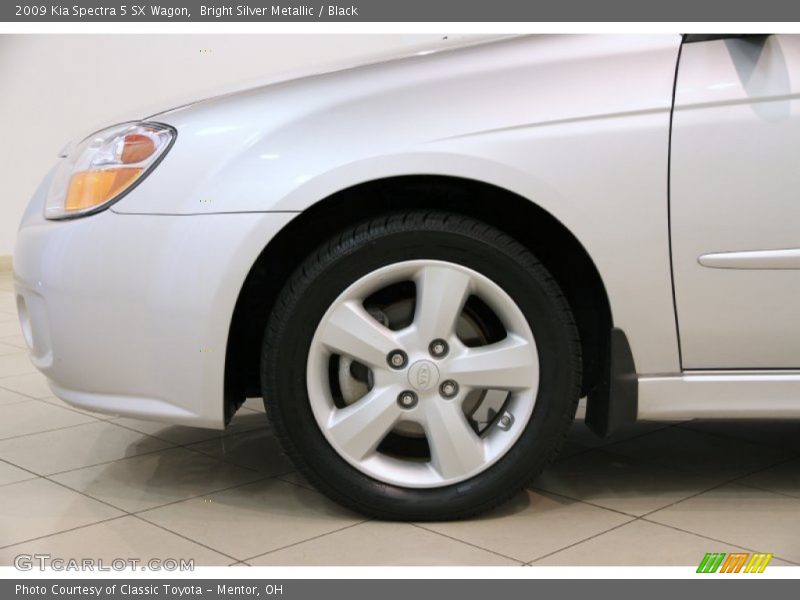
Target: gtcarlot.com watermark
pixel 30 562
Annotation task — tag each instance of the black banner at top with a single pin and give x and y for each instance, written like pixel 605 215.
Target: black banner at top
pixel 399 11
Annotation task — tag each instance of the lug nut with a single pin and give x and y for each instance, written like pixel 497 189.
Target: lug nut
pixel 448 389
pixel 506 421
pixel 407 399
pixel 397 359
pixel 438 348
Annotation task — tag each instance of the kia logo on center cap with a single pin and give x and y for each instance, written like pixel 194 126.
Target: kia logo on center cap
pixel 423 375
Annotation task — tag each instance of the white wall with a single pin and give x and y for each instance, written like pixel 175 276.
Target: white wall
pixel 56 87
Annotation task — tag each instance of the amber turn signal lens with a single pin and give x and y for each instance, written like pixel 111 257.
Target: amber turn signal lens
pixel 104 166
pixel 136 148
pixel 91 188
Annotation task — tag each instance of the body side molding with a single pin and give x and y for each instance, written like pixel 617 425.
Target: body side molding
pixel 788 258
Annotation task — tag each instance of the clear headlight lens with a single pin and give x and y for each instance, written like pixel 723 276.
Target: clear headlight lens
pixel 104 166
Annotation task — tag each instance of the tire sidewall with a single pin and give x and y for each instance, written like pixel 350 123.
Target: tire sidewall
pixel 316 287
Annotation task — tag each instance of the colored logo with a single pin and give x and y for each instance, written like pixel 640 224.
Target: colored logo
pixel 736 562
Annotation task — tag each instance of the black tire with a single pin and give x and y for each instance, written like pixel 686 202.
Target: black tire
pixel 386 240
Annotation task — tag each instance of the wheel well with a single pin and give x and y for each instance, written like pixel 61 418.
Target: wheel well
pixel 546 237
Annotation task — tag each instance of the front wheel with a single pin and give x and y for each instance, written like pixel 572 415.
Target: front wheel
pixel 421 366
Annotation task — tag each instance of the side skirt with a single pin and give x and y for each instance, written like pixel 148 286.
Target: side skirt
pixel 720 395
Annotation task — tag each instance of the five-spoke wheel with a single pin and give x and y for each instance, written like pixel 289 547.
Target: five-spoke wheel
pixel 423 364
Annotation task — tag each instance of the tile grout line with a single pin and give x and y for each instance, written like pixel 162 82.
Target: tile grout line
pixel 294 483
pixel 69 407
pixel 35 475
pixel 591 537
pixel 622 512
pixel 135 514
pixel 316 537
pixel 195 450
pixel 172 446
pixel 681 426
pixel 126 513
pixel 41 537
pixel 26 395
pixel 729 437
pixel 644 516
pixel 105 462
pixel 47 477
pixel 7 389
pixel 455 539
pixel 582 501
pixel 693 495
pixel 640 518
pixel 645 519
pixel 24 435
pixel 24 400
pixel 262 479
pixel 712 539
pixel 28 398
pixel 140 515
pixel 719 485
pixel 34 372
pixel 81 493
pixel 765 489
pixel 224 459
pixel 185 444
pixel 188 539
pixel 677 472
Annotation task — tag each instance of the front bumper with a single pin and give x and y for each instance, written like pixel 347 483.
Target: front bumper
pixel 129 314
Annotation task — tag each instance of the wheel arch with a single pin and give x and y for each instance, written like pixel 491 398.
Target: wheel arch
pixel 549 240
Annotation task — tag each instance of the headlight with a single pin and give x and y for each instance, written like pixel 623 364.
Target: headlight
pixel 104 167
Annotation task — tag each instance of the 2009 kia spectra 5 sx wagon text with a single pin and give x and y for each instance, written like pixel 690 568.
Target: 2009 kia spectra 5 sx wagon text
pixel 422 265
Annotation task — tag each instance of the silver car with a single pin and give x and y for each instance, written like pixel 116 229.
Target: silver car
pixel 422 265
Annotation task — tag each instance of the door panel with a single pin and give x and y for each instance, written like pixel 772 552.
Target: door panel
pixel 735 203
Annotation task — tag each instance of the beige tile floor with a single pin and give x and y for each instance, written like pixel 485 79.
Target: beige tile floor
pixel 76 484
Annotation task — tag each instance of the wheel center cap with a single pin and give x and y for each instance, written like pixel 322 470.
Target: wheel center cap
pixel 423 375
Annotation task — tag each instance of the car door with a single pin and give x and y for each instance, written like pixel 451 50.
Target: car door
pixel 735 203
